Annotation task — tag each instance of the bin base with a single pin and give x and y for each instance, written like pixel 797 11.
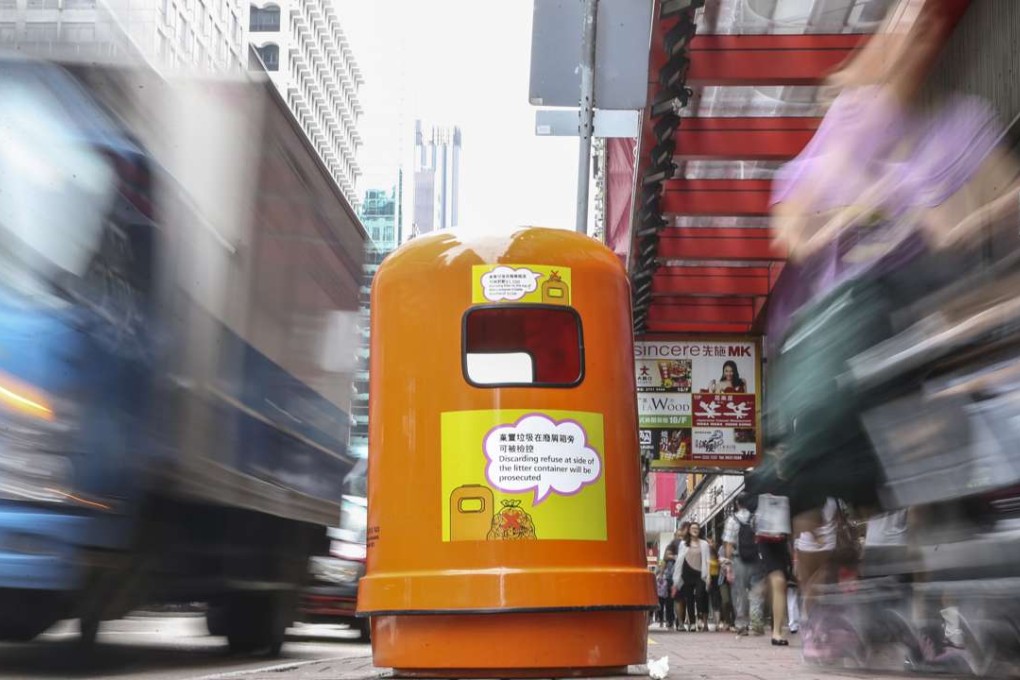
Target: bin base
pixel 523 673
pixel 511 645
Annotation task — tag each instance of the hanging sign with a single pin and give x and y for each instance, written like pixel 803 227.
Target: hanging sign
pixel 699 402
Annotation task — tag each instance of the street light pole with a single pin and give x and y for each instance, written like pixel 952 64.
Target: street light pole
pixel 587 111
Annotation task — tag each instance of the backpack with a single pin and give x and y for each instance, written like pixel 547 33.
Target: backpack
pixel 663 584
pixel 747 547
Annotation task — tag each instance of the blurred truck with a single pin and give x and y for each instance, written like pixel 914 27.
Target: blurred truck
pixel 332 594
pixel 179 282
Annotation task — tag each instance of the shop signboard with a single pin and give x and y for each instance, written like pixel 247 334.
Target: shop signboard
pixel 699 402
pixel 712 498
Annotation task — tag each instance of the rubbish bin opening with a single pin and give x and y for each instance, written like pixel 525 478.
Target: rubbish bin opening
pixel 519 345
pixel 497 369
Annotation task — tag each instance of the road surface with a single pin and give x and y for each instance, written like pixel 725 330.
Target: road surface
pixel 165 647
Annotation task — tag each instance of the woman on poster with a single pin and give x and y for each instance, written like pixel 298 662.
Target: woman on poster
pixel 730 382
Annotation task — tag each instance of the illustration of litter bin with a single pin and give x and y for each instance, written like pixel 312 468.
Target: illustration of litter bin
pixel 505 527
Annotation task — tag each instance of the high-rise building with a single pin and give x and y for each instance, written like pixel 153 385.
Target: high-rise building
pixel 436 178
pixel 300 43
pixel 172 35
pixel 379 215
pixel 309 59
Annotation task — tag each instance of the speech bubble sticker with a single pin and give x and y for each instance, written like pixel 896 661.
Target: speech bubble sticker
pixel 541 455
pixel 507 283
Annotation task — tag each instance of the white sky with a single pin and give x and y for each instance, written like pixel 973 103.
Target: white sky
pixel 465 63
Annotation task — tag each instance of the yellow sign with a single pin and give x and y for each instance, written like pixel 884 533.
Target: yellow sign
pixel 520 283
pixel 523 475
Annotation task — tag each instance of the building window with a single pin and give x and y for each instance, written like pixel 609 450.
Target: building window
pixel 79 4
pixel 183 28
pixel 44 31
pixel 8 30
pixel 78 32
pixel 270 56
pixel 43 4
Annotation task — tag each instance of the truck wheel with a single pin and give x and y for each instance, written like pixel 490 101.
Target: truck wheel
pixel 257 622
pixel 26 614
pixel 16 631
pixel 88 631
pixel 364 628
pixel 216 620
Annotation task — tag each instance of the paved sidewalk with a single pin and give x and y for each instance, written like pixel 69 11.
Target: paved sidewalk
pixel 692 656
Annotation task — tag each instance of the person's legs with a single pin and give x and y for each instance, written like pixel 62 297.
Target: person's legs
pixel 667 607
pixel 756 600
pixel 813 569
pixel 701 602
pixel 726 599
pixel 715 601
pixel 793 609
pixel 687 608
pixel 777 585
pixel 740 592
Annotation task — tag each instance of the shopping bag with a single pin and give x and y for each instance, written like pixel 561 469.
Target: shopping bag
pixel 772 519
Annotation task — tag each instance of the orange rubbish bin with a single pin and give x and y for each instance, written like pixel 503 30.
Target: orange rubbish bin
pixel 505 528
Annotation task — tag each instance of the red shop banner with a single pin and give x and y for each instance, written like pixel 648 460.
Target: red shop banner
pixel 724 410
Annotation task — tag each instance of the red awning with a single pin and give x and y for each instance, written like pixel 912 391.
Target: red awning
pixel 728 103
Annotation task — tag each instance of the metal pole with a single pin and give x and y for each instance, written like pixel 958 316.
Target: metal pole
pixel 587 111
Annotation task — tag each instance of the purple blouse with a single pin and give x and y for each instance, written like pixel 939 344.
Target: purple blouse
pixel 857 157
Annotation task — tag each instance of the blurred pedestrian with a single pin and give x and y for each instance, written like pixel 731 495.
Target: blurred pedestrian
pixel 886 181
pixel 742 552
pixel 815 546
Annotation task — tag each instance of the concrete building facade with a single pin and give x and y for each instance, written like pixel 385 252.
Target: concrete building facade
pixel 310 60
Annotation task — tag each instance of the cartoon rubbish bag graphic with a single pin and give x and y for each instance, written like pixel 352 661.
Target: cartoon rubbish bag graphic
pixel 512 523
pixel 555 291
pixel 471 508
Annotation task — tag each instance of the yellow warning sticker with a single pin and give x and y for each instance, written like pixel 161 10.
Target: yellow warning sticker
pixel 520 283
pixel 523 475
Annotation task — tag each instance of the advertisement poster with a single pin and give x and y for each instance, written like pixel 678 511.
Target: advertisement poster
pixel 699 402
pixel 520 284
pixel 523 475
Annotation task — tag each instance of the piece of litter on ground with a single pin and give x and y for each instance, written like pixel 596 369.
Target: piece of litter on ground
pixel 659 669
